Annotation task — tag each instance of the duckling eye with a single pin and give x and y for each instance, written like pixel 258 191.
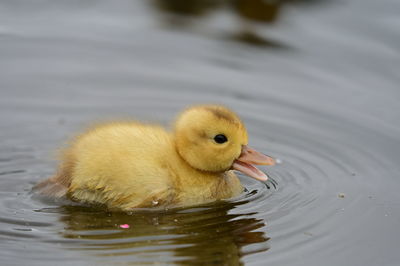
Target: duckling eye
pixel 220 138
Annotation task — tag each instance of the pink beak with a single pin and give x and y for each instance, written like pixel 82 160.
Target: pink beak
pixel 247 158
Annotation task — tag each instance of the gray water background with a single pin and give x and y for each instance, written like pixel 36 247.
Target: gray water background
pixel 319 89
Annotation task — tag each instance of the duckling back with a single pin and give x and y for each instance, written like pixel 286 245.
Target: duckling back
pixel 121 165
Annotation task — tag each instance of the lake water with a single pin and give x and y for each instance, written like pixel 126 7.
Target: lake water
pixel 318 89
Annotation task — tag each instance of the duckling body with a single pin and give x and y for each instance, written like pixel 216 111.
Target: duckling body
pixel 128 165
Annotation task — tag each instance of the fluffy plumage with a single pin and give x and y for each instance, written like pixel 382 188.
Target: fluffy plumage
pixel 128 165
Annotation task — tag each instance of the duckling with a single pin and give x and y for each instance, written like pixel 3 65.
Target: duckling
pixel 129 165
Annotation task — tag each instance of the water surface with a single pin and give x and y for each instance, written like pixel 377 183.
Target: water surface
pixel 316 82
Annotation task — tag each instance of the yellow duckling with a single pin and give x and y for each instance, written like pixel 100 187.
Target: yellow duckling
pixel 130 165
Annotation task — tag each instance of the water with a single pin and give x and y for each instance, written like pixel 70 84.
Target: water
pixel 318 89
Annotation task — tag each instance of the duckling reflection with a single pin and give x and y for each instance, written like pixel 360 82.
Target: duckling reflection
pixel 208 234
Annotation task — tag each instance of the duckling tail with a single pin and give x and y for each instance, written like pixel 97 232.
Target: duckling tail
pixel 51 187
pixel 58 185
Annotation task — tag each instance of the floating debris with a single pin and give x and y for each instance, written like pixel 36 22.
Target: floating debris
pixel 124 226
pixel 341 195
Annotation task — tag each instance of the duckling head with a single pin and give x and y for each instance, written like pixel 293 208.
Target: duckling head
pixel 212 138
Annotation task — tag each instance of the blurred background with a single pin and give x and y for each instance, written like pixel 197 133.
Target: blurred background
pixel 315 81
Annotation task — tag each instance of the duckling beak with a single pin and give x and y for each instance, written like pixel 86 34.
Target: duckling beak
pixel 247 158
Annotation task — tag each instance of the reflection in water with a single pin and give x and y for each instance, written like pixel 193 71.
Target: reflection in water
pixel 187 7
pixel 255 11
pixel 206 234
pixel 180 12
pixel 258 10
